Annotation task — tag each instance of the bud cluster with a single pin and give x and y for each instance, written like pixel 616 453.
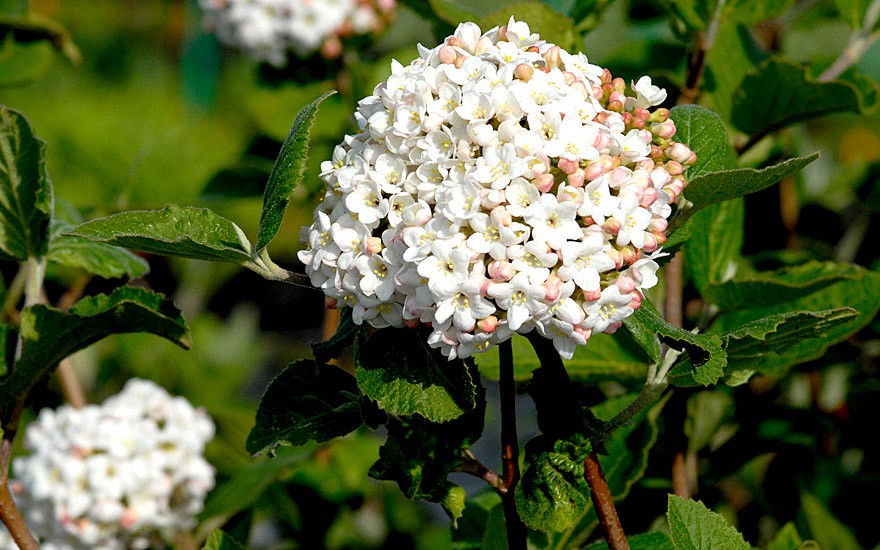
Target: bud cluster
pixel 267 29
pixel 499 184
pixel 126 474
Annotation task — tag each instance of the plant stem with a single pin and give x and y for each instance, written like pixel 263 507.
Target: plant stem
pixel 470 465
pixel 13 519
pixel 516 531
pixel 859 42
pixel 604 503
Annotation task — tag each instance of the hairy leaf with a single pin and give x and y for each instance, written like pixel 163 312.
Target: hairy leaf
pixel 782 92
pixel 97 258
pixel 182 231
pixel 306 401
pixel 287 173
pixel 397 369
pixel 49 335
pixel 25 190
pixel 704 133
pixel 695 527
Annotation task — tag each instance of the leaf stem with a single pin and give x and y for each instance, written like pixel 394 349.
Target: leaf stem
pixel 600 494
pixel 516 530
pixel 470 465
pixel 263 265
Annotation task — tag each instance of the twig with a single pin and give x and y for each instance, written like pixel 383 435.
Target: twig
pixel 859 42
pixel 70 386
pixel 604 503
pixel 697 59
pixel 680 483
pixel 470 465
pixel 13 519
pixel 516 531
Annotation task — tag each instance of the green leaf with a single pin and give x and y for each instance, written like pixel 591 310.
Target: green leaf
pixel 8 341
pixel 825 529
pixel 693 14
pixel 755 11
pixel 782 92
pixel 713 257
pixel 695 527
pixel 13 7
pixel 704 133
pixel 21 63
pixel 341 339
pixel 707 411
pixel 287 173
pixel 853 11
pixel 32 27
pixel 419 455
pixel 49 335
pixel 786 539
pixel 704 351
pixel 25 190
pixel 481 525
pixel 182 231
pixel 773 287
pixel 542 19
pixel 861 292
pixel 397 369
pixel 734 54
pixel 645 541
pixel 218 540
pixel 730 184
pixel 306 401
pixel 101 259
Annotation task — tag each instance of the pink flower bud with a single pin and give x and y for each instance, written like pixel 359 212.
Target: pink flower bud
pixel 625 284
pixel 611 226
pixel 616 257
pixel 584 332
pixel 524 72
pixel 656 153
pixel 568 166
pixel 501 216
pixel 602 141
pixel 606 76
pixel 636 301
pixel 619 85
pixel 630 254
pixel 613 327
pixel 502 32
pixel 638 123
pixel 533 49
pixel 459 61
pixel 645 164
pixel 128 519
pixel 640 113
pixel 454 42
pixel 660 238
pixel 483 44
pixel 660 115
pixel 331 48
pixel 673 168
pixel 570 78
pixel 650 243
pixel 678 152
pixel 545 182
pixel 664 130
pixel 372 245
pixel 501 270
pixel 649 195
pixel 581 88
pixel 658 224
pixel 576 179
pixel 587 221
pixel 411 323
pixel 552 57
pixel 594 170
pixel 551 291
pixel 329 303
pixel 488 325
pixel 592 295
pixel 447 54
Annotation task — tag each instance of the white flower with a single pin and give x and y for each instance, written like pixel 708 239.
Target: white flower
pixel 610 308
pixel 648 94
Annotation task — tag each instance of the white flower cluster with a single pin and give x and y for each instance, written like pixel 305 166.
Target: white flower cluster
pixel 126 474
pixel 499 184
pixel 267 29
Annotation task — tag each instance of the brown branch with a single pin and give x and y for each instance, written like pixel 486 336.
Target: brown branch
pixel 604 504
pixel 470 465
pixel 13 519
pixel 516 531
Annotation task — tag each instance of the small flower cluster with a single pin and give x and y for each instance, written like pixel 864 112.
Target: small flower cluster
pixel 126 474
pixel 499 184
pixel 267 29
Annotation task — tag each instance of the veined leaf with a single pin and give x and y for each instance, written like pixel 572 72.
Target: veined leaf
pixel 49 335
pixel 695 527
pixel 101 259
pixel 307 401
pixel 397 369
pixel 713 258
pixel 704 133
pixel 182 231
pixel 287 173
pixel 25 190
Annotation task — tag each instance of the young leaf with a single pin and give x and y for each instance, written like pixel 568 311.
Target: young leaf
pixel 704 351
pixel 695 527
pixel 397 369
pixel 704 133
pixel 287 173
pixel 101 259
pixel 49 335
pixel 182 231
pixel 828 531
pixel 25 189
pixel 782 92
pixel 713 257
pixel 218 540
pixel 307 401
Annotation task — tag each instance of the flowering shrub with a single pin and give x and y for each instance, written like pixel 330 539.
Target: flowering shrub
pixel 267 29
pixel 126 474
pixel 499 184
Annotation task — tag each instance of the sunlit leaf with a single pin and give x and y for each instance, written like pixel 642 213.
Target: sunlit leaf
pixel 695 527
pixel 101 259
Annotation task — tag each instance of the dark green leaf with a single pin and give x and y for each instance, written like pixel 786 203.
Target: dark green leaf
pixel 704 351
pixel 287 173
pixel 25 189
pixel 542 19
pixel 853 11
pixel 307 401
pixel 704 133
pixel 772 287
pixel 782 92
pixel 218 540
pixel 49 335
pixel 786 539
pixel 713 257
pixel 8 341
pixel 397 369
pixel 645 541
pixel 343 338
pixel 182 231
pixel 828 531
pixel 695 527
pixel 101 259
pixel 707 411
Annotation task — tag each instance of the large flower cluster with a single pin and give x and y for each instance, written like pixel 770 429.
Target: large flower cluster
pixel 267 29
pixel 126 474
pixel 499 184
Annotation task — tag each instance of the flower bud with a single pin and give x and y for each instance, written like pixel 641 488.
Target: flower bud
pixel 619 85
pixel 636 301
pixel 372 245
pixel 552 58
pixel 611 226
pixel 576 179
pixel 613 327
pixel 678 152
pixel 501 216
pixel 625 284
pixel 649 195
pixel 488 325
pixel 447 54
pixel 329 303
pixel 567 165
pixel 660 115
pixel 501 270
pixel 630 254
pixel 544 182
pixel 411 323
pixel 650 243
pixel 524 72
pixel 331 48
pixel 551 291
pixel 592 295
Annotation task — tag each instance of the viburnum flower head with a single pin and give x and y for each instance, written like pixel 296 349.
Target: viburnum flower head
pixel 128 474
pixel 499 184
pixel 267 29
